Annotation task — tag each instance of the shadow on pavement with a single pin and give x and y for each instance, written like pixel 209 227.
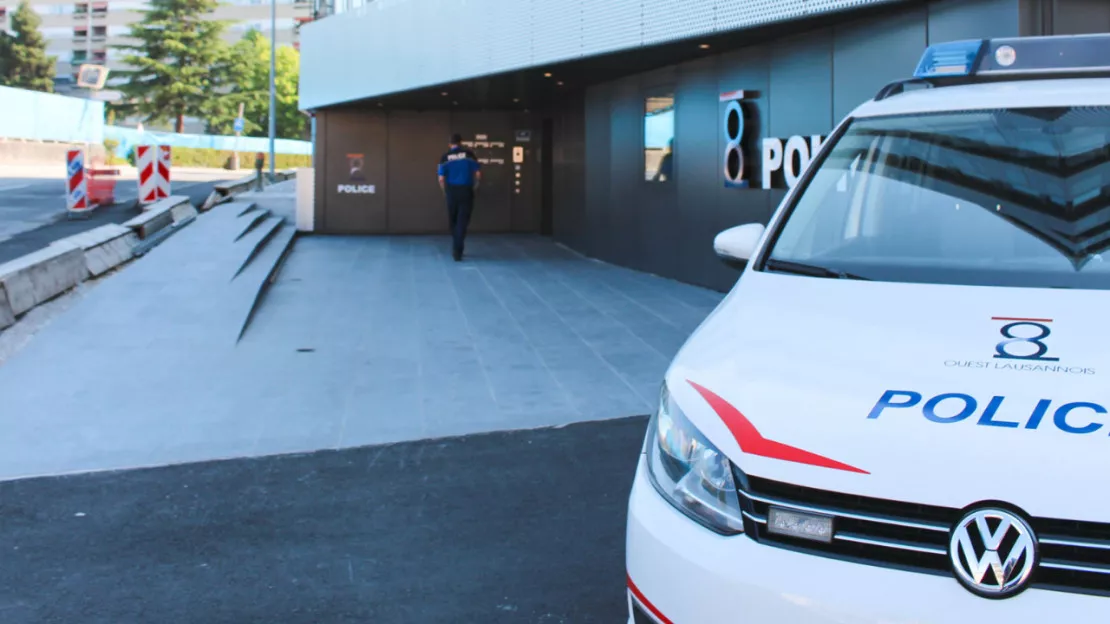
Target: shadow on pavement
pixel 523 526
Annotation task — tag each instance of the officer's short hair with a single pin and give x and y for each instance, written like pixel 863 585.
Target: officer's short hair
pixel 456 139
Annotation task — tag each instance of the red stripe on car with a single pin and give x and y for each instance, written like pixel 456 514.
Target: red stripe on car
pixel 645 602
pixel 753 442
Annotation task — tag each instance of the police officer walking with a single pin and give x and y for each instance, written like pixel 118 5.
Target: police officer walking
pixel 459 176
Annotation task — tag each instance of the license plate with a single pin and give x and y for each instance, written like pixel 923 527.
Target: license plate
pixel 801 525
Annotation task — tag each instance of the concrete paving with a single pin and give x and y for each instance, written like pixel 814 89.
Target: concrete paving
pixel 406 344
pixel 507 527
pixel 360 341
pixel 280 199
pixel 22 204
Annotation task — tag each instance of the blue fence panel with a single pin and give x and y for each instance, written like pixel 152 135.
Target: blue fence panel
pixel 130 137
pixel 39 116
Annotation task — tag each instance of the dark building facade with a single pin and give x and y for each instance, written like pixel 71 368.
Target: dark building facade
pixel 641 158
pixel 376 170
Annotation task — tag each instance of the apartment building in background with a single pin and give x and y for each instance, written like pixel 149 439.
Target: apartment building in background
pixel 87 32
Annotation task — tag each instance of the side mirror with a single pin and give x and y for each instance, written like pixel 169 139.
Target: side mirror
pixel 736 245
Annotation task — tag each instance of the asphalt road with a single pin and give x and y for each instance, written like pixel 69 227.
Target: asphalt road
pixel 33 214
pixel 506 527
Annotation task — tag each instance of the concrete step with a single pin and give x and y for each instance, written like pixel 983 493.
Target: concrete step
pixel 249 220
pixel 247 247
pixel 229 213
pixel 263 270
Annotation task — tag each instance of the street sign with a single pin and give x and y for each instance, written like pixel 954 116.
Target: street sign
pixel 239 124
pixel 92 76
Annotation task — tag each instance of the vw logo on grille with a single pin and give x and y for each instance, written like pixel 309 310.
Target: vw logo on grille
pixel 993 552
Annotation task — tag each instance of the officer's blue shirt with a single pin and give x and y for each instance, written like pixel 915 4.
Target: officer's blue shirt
pixel 458 167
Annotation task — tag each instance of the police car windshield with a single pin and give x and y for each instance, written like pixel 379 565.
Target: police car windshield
pixel 1007 197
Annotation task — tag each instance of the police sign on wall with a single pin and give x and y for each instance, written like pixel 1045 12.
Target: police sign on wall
pixel 734 127
pixel 783 165
pixel 355 165
pixel 782 162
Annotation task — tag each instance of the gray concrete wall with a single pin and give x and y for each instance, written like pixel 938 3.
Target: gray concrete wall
pixel 803 85
pixel 568 171
pixel 1065 17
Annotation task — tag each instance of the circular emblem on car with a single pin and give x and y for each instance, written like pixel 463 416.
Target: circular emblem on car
pixel 1005 55
pixel 993 552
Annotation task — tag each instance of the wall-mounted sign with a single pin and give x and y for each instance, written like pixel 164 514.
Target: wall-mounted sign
pixel 787 163
pixel 357 189
pixel 523 136
pixel 782 161
pixel 735 145
pixel 355 163
pixel 483 143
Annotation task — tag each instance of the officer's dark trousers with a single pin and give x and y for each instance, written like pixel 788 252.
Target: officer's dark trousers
pixel 460 203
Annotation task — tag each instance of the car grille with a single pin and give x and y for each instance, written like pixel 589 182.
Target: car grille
pixel 1074 556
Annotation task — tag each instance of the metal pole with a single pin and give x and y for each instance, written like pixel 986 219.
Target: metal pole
pixel 88 31
pixel 88 48
pixel 273 70
pixel 235 152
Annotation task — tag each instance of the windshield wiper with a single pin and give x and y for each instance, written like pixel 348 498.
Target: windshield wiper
pixel 800 268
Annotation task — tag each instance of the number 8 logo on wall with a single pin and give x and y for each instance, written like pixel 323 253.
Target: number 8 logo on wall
pixel 733 125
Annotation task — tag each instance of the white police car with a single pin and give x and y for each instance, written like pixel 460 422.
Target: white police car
pixel 899 413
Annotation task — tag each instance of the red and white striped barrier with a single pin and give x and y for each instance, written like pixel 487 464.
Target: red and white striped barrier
pixel 164 161
pixel 154 164
pixel 77 197
pixel 148 175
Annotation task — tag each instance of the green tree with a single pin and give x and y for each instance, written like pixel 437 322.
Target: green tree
pixel 249 80
pixel 291 122
pixel 5 52
pixel 23 60
pixel 248 75
pixel 180 63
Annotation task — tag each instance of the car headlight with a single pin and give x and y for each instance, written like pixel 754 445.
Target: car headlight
pixel 690 472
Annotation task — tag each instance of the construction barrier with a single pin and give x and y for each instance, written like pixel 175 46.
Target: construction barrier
pixel 148 177
pixel 102 186
pixel 77 200
pixel 164 161
pixel 154 164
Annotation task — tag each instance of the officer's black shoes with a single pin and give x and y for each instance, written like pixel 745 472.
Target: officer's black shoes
pixel 457 255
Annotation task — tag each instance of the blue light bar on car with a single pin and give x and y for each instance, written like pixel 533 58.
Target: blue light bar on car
pixel 1021 55
pixel 957 58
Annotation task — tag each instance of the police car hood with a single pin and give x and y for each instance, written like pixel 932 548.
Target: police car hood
pixel 904 392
